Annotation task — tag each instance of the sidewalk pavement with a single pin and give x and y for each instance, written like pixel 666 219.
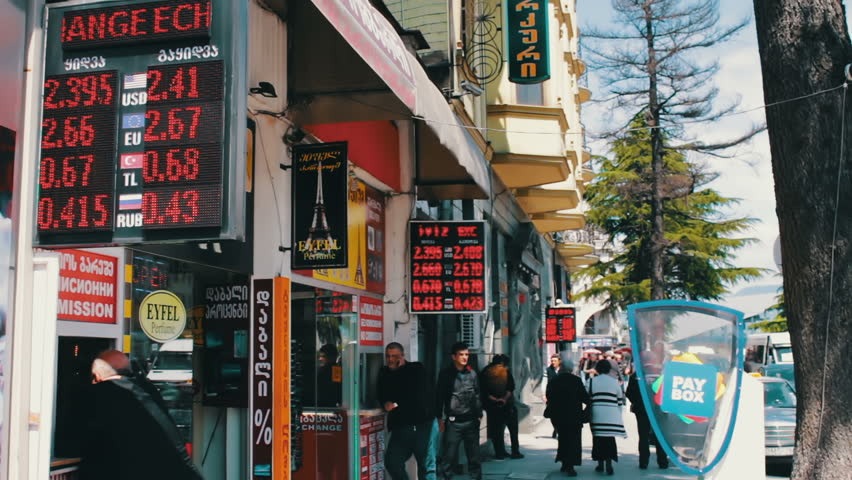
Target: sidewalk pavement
pixel 539 449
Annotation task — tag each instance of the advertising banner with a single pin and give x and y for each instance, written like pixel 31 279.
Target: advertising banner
pixel 269 409
pixel 325 440
pixel 370 321
pixel 688 359
pixel 320 209
pixel 372 447
pixel 87 287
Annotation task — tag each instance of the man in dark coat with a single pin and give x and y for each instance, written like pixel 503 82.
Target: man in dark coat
pixel 126 434
pixel 498 399
pixel 643 426
pixel 566 396
pixel 406 393
pixel 459 410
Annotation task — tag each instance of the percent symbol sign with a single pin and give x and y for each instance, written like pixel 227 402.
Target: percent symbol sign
pixel 262 421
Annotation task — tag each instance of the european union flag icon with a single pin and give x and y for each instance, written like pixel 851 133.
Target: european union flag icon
pixel 133 120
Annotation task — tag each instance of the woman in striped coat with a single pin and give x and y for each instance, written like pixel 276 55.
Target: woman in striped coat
pixel 607 400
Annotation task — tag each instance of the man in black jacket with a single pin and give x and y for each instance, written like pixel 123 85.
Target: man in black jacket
pixel 643 426
pixel 566 396
pixel 459 410
pixel 406 393
pixel 126 434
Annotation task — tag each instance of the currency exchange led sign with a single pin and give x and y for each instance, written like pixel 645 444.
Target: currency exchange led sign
pixel 137 139
pixel 448 267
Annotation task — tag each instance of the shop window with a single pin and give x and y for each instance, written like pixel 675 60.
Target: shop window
pixel 530 94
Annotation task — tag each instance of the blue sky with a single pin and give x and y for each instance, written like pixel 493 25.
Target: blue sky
pixel 748 175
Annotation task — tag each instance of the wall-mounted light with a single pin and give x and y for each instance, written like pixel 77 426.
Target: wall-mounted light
pixel 265 89
pixel 293 135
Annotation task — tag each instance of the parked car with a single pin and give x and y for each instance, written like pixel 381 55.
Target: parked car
pixel 780 370
pixel 779 411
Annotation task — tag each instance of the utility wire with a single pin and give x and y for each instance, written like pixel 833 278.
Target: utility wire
pixel 739 112
pixel 832 265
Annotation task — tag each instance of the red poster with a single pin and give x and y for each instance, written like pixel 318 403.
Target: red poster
pixel 371 319
pixel 87 284
pixel 372 447
pixel 325 443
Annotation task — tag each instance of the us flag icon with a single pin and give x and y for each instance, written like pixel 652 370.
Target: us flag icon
pixel 131 160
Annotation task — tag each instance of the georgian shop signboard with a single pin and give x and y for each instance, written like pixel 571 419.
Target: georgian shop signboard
pixel 87 287
pixel 527 37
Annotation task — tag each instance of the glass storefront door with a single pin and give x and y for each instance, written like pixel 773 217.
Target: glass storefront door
pixel 325 333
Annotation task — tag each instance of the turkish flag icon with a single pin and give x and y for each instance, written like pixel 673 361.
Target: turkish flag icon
pixel 131 160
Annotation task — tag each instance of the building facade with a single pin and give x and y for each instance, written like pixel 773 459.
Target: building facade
pixel 428 123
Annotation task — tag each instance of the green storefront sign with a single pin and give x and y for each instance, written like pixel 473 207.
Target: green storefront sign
pixel 527 38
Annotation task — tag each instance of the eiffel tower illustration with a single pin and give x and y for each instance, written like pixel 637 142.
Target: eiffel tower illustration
pixel 359 272
pixel 319 224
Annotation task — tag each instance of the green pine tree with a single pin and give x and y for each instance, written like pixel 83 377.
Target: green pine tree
pixel 699 241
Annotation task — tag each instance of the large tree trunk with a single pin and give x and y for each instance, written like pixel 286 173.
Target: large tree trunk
pixel 804 47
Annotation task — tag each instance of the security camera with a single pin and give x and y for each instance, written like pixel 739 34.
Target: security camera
pixel 472 88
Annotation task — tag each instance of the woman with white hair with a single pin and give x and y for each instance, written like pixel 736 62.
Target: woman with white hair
pixel 607 400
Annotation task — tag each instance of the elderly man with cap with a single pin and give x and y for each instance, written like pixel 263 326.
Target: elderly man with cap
pixel 126 433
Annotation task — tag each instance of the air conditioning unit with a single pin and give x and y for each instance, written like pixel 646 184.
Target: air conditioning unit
pixel 471 331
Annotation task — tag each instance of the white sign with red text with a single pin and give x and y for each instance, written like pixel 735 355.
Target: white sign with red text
pixel 87 287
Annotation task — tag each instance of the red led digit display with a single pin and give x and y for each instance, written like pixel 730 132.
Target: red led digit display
pixel 185 82
pixel 183 123
pixel 136 23
pixel 182 165
pixel 183 139
pixel 76 167
pixel 175 207
pixel 447 267
pixel 138 143
pixel 560 324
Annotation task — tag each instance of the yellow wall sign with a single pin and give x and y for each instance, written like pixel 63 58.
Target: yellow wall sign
pixel 162 316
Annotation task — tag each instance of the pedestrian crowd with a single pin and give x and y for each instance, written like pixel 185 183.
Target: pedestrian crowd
pixel 420 414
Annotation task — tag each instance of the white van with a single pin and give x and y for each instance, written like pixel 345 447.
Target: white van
pixel 173 362
pixel 770 348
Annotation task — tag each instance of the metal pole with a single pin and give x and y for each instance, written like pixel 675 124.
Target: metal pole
pixel 22 263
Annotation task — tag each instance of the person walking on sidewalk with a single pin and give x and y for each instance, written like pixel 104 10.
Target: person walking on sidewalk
pixel 406 393
pixel 498 399
pixel 565 399
pixel 643 426
pixel 607 400
pixel 549 375
pixel 459 410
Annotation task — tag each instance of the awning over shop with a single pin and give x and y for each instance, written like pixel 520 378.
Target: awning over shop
pixel 352 65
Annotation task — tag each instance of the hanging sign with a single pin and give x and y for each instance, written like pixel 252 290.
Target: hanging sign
pixel 528 41
pixel 320 210
pixel 688 359
pixel 162 316
pixel 448 266
pixel 560 325
pixel 141 144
